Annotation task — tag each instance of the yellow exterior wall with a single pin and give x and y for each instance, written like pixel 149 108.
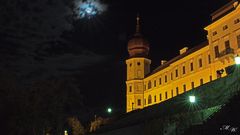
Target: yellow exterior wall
pixel 137 69
pixel 136 75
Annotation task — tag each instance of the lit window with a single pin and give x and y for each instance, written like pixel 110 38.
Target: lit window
pixel 139 102
pixel 209 58
pixel 214 33
pixel 183 70
pixel 149 85
pixel 191 66
pixel 225 27
pixel 184 87
pixel 216 49
pixel 149 99
pixel 177 91
pixel 238 41
pixel 236 21
pixel 227 45
pixel 201 81
pixel 192 85
pixel 200 62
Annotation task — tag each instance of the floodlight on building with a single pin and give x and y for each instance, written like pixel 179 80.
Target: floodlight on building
pixel 192 99
pixel 237 60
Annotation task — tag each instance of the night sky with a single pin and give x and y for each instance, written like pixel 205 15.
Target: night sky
pixel 42 39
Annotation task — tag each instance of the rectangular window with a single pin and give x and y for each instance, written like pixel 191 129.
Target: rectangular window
pixel 160 81
pixel 192 85
pixel 236 21
pixel 166 95
pixel 171 76
pixel 172 93
pixel 216 50
pixel 209 58
pixel 130 88
pixel 149 99
pixel 177 91
pixel 201 81
pixel 155 83
pixel 225 27
pixel 238 41
pixel 210 78
pixel 184 88
pixel 149 85
pixel 191 66
pixel 214 33
pixel 183 70
pixel 200 62
pixel 160 97
pixel 176 73
pixel 165 78
pixel 227 45
pixel 155 98
pixel 139 102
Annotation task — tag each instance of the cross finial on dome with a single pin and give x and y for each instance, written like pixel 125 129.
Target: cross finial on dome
pixel 138 24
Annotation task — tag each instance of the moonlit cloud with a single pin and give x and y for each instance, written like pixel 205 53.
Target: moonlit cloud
pixel 89 8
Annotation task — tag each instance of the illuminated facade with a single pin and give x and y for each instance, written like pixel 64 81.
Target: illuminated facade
pixel 191 68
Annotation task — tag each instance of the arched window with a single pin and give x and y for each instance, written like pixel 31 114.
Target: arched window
pixel 149 99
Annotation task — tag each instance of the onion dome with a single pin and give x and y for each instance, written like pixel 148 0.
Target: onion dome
pixel 138 46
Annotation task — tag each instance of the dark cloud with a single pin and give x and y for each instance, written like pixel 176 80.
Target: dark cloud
pixel 31 40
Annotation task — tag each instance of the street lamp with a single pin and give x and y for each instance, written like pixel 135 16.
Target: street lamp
pixel 109 110
pixel 237 60
pixel 65 132
pixel 192 99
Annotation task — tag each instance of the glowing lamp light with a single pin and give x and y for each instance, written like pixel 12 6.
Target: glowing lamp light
pixel 192 99
pixel 65 132
pixel 109 110
pixel 237 60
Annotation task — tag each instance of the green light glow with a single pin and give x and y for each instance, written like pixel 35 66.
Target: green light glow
pixel 192 99
pixel 237 60
pixel 109 110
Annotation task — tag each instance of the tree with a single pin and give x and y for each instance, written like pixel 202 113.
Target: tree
pixel 76 126
pixel 41 107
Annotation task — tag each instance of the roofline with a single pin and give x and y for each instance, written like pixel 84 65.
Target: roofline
pixel 190 51
pixel 223 7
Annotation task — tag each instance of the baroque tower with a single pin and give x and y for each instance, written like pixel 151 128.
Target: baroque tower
pixel 138 66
